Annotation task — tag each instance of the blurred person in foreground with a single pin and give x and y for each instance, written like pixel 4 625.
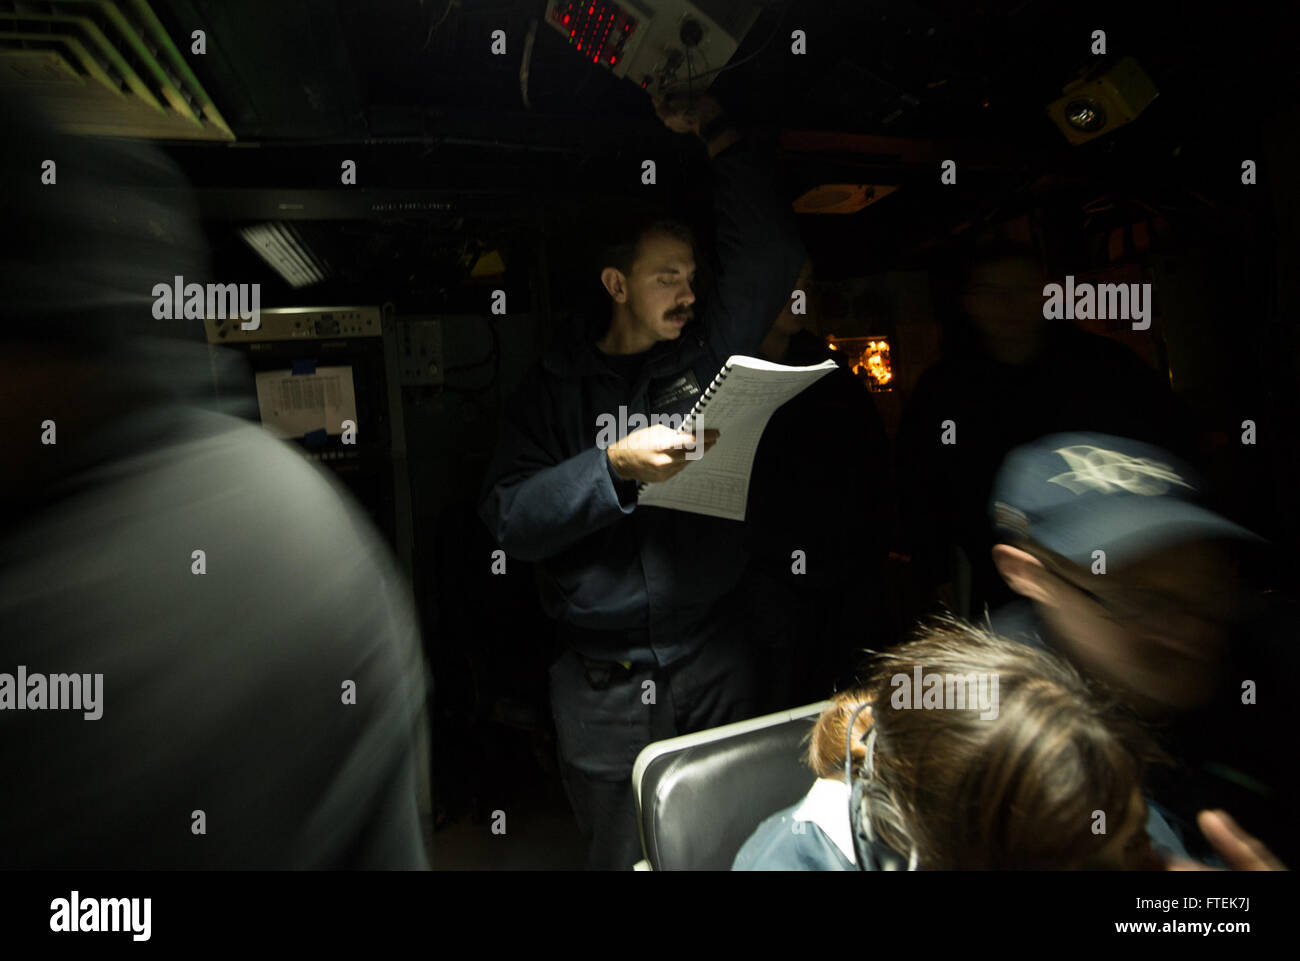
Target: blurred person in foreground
pixel 1121 567
pixel 220 735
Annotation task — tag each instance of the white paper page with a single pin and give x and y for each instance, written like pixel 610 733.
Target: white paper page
pixel 292 405
pixel 718 483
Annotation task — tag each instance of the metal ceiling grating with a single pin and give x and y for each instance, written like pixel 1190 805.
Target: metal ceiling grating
pixel 102 67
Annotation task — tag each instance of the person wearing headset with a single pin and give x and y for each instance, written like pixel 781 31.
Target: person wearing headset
pixel 1053 762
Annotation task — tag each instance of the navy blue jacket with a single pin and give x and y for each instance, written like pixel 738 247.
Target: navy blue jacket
pixel 799 838
pixel 604 564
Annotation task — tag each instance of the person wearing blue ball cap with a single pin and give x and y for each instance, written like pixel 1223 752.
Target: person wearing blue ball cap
pixel 1121 566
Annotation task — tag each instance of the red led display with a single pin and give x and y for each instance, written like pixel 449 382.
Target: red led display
pixel 590 31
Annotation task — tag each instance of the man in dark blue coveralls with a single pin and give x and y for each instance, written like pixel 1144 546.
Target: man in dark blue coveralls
pixel 644 597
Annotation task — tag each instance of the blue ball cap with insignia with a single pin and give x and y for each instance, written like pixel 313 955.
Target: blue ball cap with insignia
pixel 1081 492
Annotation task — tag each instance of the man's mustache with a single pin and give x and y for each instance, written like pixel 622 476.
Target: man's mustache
pixel 686 312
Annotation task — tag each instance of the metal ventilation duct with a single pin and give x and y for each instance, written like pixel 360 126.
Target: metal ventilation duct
pixel 104 68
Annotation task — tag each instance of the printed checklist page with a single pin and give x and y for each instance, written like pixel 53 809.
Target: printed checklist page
pixel 718 483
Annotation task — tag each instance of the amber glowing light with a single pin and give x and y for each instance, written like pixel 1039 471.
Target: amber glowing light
pixel 870 359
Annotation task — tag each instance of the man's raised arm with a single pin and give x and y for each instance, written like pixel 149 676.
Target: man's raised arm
pixel 759 250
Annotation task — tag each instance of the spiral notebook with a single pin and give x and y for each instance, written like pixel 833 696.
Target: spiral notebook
pixel 738 403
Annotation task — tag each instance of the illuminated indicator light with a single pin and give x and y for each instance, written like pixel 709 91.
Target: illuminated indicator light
pixel 566 18
pixel 591 9
pixel 579 46
pixel 611 59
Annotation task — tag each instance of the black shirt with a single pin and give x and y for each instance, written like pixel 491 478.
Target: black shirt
pixel 1080 381
pixel 627 366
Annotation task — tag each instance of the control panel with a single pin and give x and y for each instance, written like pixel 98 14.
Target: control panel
pixel 298 323
pixel 663 46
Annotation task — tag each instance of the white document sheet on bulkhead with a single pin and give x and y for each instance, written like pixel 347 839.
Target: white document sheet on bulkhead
pixel 718 483
pixel 292 404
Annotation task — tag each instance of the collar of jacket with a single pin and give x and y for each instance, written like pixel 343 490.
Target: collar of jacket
pixel 578 356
